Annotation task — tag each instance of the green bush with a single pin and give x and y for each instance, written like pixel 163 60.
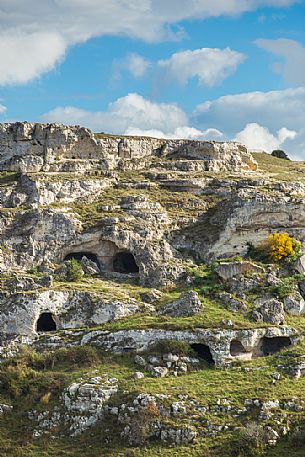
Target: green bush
pixel 287 285
pixel 79 356
pixel 172 346
pixel 251 441
pixel 74 270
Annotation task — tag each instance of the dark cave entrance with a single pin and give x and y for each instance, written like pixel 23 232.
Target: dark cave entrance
pixel 46 323
pixel 237 349
pixel 270 346
pixel 203 352
pixel 79 255
pixel 124 262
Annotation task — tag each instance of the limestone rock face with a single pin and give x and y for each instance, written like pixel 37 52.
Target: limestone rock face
pixel 28 147
pixel 20 312
pixel 294 304
pixel 269 310
pixel 218 340
pixel 186 305
pixel 227 270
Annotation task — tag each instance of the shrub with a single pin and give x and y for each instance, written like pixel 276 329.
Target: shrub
pixel 172 346
pixel 78 356
pixel 74 270
pixel 287 285
pixel 280 154
pixel 251 441
pixel 277 247
pixel 141 426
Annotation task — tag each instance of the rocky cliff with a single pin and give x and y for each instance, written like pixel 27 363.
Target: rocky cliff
pixel 121 260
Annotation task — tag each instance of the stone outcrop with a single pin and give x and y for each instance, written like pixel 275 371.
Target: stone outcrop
pixel 26 147
pixel 20 312
pixel 218 341
pixel 186 305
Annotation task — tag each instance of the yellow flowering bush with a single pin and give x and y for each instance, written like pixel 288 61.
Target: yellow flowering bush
pixel 281 246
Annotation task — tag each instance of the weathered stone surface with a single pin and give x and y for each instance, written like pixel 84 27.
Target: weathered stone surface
pixel 294 304
pixel 179 436
pixel 19 313
pixel 31 147
pixel 269 310
pixel 152 296
pixel 186 305
pixel 227 270
pixel 83 406
pixel 89 267
pixel 233 304
pixel 218 340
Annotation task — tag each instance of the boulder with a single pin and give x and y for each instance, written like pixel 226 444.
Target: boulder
pixel 89 267
pixel 178 436
pixel 299 264
pixel 294 304
pixel 138 375
pixel 188 304
pixel 158 372
pixel 232 303
pixel 228 270
pixel 151 296
pixel 269 310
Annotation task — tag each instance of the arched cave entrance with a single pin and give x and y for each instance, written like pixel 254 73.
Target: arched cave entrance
pixel 203 352
pixel 79 255
pixel 238 351
pixel 124 262
pixel 270 346
pixel 46 323
pixel 236 348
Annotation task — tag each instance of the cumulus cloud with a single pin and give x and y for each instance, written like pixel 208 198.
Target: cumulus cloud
pixel 134 115
pixel 262 120
pixel 256 137
pixel 184 132
pixel 274 110
pixel 292 58
pixel 210 66
pixel 125 113
pixel 42 31
pixel 135 64
pixel 26 56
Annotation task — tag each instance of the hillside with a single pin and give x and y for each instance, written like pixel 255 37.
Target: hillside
pixel 137 318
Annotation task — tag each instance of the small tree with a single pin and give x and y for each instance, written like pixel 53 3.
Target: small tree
pixel 280 154
pixel 74 270
pixel 281 247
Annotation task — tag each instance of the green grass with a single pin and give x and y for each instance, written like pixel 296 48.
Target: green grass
pixel 206 386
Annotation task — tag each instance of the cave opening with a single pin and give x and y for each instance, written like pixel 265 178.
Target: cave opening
pixel 237 349
pixel 46 323
pixel 124 262
pixel 270 346
pixel 79 255
pixel 203 352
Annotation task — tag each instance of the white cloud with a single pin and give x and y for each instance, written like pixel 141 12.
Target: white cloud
pixel 292 58
pixel 125 113
pixel 134 115
pixel 26 56
pixel 256 137
pixel 274 110
pixel 183 132
pixel 2 109
pixel 43 30
pixel 265 120
pixel 210 66
pixel 135 64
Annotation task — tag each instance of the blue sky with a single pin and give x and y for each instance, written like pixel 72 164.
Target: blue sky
pixel 227 69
